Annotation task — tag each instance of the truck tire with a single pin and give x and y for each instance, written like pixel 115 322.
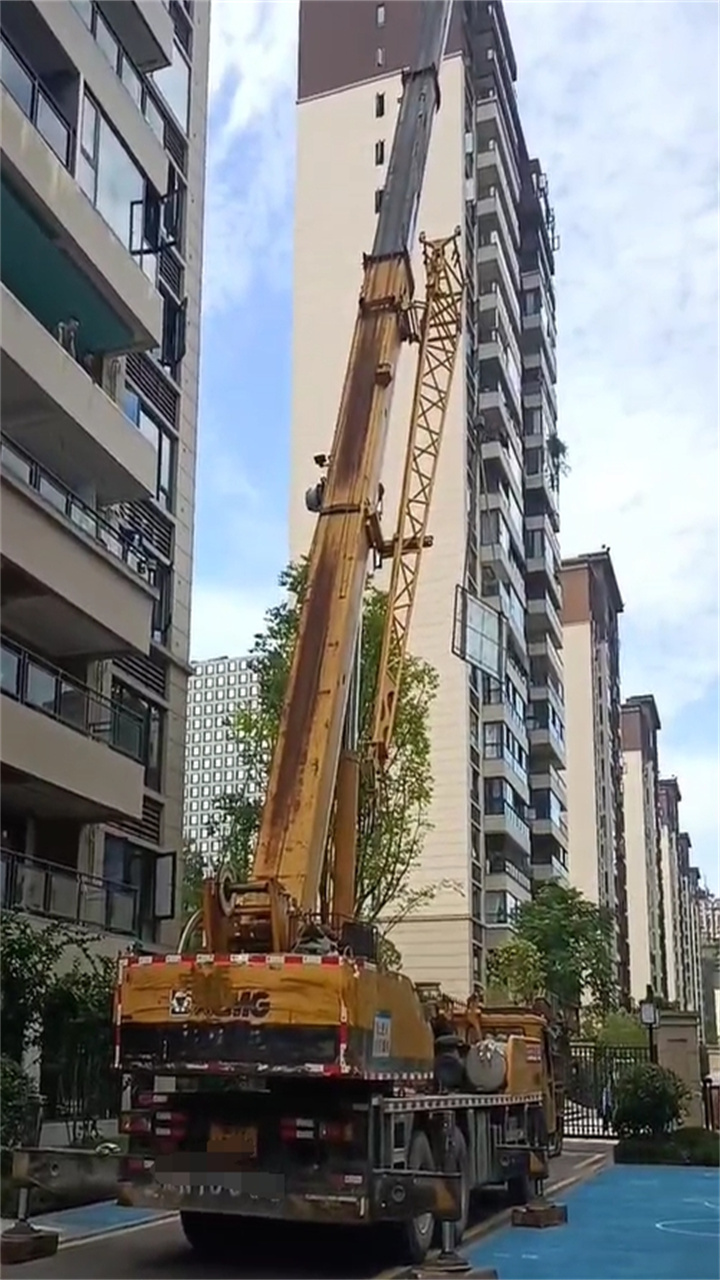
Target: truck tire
pixel 461 1165
pixel 416 1236
pixel 206 1233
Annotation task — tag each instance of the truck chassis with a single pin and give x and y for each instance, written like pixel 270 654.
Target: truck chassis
pixel 322 1152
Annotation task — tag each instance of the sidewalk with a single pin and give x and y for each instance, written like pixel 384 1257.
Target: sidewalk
pixel 92 1220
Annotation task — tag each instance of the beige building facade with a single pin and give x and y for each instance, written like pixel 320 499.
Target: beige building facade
pixel 592 605
pixel 640 725
pixel 104 111
pixel 497 744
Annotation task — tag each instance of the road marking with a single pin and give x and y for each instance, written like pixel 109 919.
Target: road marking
pixel 98 1236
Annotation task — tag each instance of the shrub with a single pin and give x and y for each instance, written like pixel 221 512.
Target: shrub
pixel 685 1146
pixel 649 1101
pixel 16 1096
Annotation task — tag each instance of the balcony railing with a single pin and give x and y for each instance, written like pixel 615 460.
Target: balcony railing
pixel 62 893
pixel 497 865
pixel 37 684
pixel 35 102
pixel 503 809
pixel 122 541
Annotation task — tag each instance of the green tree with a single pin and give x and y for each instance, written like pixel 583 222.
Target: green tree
pixel 616 1028
pixel 392 826
pixel 77 1044
pixel 517 968
pixel 28 959
pixel 575 939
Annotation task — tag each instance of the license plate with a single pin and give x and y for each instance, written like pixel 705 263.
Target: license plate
pixel 239 1141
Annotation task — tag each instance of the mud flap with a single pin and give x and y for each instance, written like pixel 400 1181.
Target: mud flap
pixel 399 1195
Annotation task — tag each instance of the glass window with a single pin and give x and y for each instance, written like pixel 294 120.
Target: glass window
pixel 148 427
pixel 174 85
pixel 16 79
pixel 106 41
pixel 88 136
pixel 154 118
pixel 120 184
pixel 84 9
pixel 131 80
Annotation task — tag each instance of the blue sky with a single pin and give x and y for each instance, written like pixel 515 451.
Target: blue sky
pixel 620 101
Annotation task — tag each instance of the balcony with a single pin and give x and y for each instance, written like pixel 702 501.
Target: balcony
pixel 499 868
pixel 508 823
pixel 144 28
pixel 544 619
pixel 546 739
pixel 119 96
pixel 52 407
pixel 549 868
pixel 551 826
pixel 67 751
pixel 37 104
pixel 60 257
pixel 56 892
pixel 67 572
pixel 499 762
pixel 494 266
pixel 490 129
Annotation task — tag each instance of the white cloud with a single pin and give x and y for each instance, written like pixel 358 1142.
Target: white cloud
pixel 250 170
pixel 620 101
pixel 225 621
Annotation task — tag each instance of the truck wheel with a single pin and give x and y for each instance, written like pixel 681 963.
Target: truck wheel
pixel 460 1164
pixel 206 1233
pixel 416 1235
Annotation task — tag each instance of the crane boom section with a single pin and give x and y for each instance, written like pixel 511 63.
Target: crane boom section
pixel 298 806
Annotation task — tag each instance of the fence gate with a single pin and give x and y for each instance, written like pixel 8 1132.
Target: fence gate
pixel 590 1086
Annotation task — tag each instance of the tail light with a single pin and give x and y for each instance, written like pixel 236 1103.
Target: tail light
pixel 336 1131
pixel 133 1123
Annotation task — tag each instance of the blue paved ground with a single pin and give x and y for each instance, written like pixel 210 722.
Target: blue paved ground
pixel 629 1223
pixel 94 1219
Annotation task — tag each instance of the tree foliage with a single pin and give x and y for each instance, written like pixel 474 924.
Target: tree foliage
pixel 16 1095
pixel 393 825
pixel 517 968
pixel 615 1028
pixel 77 1043
pixel 28 959
pixel 575 939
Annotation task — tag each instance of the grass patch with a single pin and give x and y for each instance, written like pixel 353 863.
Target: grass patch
pixel 685 1146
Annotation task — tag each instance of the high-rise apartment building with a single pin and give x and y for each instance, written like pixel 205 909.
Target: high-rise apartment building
pixel 497 744
pixel 592 605
pixel 640 725
pixel 690 994
pixel 218 689
pixel 104 110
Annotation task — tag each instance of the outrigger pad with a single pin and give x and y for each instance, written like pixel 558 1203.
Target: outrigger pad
pixel 24 1243
pixel 540 1213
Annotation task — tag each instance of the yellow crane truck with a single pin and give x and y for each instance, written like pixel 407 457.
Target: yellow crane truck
pixel 273 1068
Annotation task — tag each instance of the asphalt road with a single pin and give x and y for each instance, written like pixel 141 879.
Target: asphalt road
pixel 272 1252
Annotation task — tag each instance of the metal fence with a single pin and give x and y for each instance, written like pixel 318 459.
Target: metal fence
pixel 590 1087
